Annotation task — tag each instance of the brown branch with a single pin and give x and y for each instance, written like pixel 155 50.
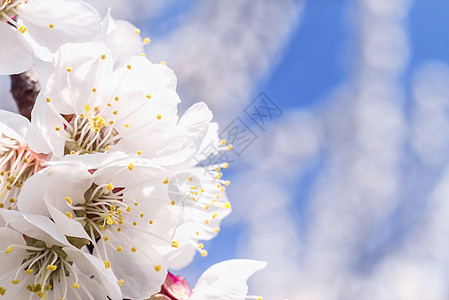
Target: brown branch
pixel 24 88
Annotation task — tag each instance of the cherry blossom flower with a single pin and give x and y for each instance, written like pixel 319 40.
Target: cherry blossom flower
pixel 120 206
pixel 18 161
pixel 40 27
pixel 223 281
pixel 88 108
pixel 38 262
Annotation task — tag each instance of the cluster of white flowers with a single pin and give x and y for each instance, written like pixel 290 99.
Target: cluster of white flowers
pixel 102 191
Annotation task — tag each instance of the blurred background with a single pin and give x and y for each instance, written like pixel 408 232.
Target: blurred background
pixel 341 182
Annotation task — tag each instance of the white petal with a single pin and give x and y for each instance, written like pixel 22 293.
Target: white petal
pixel 73 21
pixel 226 280
pixel 92 266
pixel 136 268
pixel 35 226
pixel 14 57
pixel 59 181
pixel 16 125
pixel 67 225
pixel 121 38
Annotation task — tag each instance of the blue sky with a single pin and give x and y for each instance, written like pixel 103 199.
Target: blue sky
pixel 315 62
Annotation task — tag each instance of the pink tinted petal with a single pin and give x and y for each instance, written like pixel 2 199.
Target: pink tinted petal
pixel 176 287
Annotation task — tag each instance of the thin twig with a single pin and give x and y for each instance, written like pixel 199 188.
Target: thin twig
pixel 24 88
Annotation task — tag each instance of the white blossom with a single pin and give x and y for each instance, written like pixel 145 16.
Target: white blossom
pixel 38 262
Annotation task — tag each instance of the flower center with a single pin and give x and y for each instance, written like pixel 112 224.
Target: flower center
pixel 104 207
pixel 48 265
pixel 88 133
pixel 17 164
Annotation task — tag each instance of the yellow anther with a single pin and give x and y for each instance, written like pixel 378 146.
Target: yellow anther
pixel 128 209
pixel 72 152
pixel 25 160
pixel 200 246
pixel 229 147
pixel 87 107
pixel 109 187
pixel 119 229
pixel 139 152
pixel 109 221
pixel 116 98
pixel 165 181
pixel 48 287
pixel 57 128
pixel 103 56
pixel 227 182
pixel 214 215
pixel 175 244
pixel 142 215
pixel 22 29
pixel 129 67
pixel 109 104
pixel 111 122
pixel 29 271
pixel 102 228
pixel 217 169
pixel 227 205
pixel 146 41
pixel 207 221
pixel 135 223
pixel 69 69
pixel 107 148
pixel 206 207
pixel 223 142
pixel 120 282
pixel 142 54
pixel 151 222
pixel 69 214
pixel 148 96
pixel 219 175
pixel 202 190
pixel 112 207
pixel 119 248
pixel 163 63
pixel 204 253
pixel 217 229
pixel 158 268
pixel 40 294
pixel 51 26
pixel 69 200
pixel 75 285
pixel 52 267
pixel 9 249
pixel 172 202
pixel 225 165
pixel 158 117
pixel 259 298
pixel 48 100
pixel 94 90
pixel 107 264
pixel 106 238
pixel 197 233
pixel 133 249
pixel 137 31
pixel 126 125
pixel 15 281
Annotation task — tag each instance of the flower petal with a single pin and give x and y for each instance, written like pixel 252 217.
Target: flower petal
pixel 226 280
pixel 52 23
pixel 14 57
